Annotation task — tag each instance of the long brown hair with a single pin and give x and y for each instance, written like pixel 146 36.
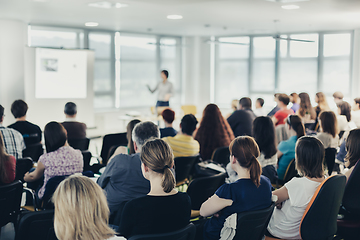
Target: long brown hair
pixel 294 121
pixel 345 109
pixel 214 131
pixel 129 129
pixel 322 103
pixel 353 147
pixel 4 158
pixel 329 122
pixel 246 152
pixel 157 155
pixel 305 106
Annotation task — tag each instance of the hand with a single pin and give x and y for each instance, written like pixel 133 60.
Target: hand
pixel 279 205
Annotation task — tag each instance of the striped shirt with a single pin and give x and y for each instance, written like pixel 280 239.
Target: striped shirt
pixel 13 141
pixel 183 145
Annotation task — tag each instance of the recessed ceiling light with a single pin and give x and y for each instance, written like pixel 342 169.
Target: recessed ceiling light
pixel 174 17
pixel 91 24
pixel 107 5
pixel 290 7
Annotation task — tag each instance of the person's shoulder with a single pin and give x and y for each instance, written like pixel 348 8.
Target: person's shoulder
pixel 14 131
pixel 14 125
pixel 265 181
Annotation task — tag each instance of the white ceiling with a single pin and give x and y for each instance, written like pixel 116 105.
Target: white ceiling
pixel 236 16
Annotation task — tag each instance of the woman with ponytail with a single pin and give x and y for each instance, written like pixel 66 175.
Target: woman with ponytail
pixel 163 209
pixel 286 149
pixel 250 192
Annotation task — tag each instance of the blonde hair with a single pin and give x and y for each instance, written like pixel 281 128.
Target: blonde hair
pixel 81 210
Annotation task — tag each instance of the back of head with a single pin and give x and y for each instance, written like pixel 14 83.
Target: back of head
pixel 305 105
pixel 168 115
pixel 295 123
pixel 284 98
pixel 55 136
pixel 328 122
pixel 264 134
pixel 19 108
pixel 245 102
pixel 322 100
pixel 129 129
pixel 144 131
pixel 188 124
pixel 310 153
pixel 338 95
pixel 81 210
pixel 345 109
pixel 157 155
pixel 166 73
pixel 295 97
pixel 353 147
pixel 70 109
pixel 260 101
pixel 246 152
pixel 357 101
pixel 1 112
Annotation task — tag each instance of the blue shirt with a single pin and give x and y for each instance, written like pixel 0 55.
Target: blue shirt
pixel 295 107
pixel 245 196
pixel 167 132
pixel 288 149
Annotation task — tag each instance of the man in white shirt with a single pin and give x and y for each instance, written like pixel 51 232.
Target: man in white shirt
pixel 355 113
pixel 259 110
pixel 165 90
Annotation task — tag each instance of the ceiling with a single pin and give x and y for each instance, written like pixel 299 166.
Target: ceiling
pixel 221 17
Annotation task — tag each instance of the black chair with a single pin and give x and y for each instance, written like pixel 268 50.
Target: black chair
pixel 10 200
pixel 252 225
pixel 290 173
pixel 23 165
pixel 36 226
pixel 221 155
pixel 183 167
pixel 110 140
pixel 270 172
pixel 50 187
pixel 81 144
pixel 330 154
pixel 34 151
pixel 187 233
pixel 87 158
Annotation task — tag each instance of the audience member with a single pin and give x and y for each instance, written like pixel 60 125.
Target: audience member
pixel 276 108
pixel 295 100
pixel 122 179
pixel 241 120
pixel 7 165
pixel 355 113
pixel 344 117
pixel 280 116
pixel 250 192
pixel 286 149
pixel 59 160
pixel 296 194
pixel 259 109
pixel 166 90
pixel 169 117
pixel 13 140
pixel 328 130
pixel 214 131
pixel 30 132
pixel 75 129
pixel 322 105
pixel 306 111
pixel 183 144
pixel 163 209
pixel 81 211
pixel 352 147
pixel 338 97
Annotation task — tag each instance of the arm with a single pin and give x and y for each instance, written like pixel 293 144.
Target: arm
pixel 35 175
pixel 282 195
pixel 152 90
pixel 279 154
pixel 104 179
pixel 214 205
pixel 170 93
pixel 274 119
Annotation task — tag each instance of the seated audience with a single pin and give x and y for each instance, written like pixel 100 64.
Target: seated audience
pixel 280 116
pixel 250 192
pixel 59 160
pixel 320 99
pixel 7 165
pixel 234 106
pixel 169 117
pixel 259 109
pixel 13 140
pixel 338 97
pixel 241 120
pixel 81 211
pixel 355 113
pixel 163 209
pixel 75 129
pixel 276 108
pixel 122 179
pixel 344 118
pixel 328 130
pixel 306 111
pixel 296 194
pixel 214 131
pixel 295 100
pixel 30 132
pixel 353 151
pixel 286 149
pixel 183 144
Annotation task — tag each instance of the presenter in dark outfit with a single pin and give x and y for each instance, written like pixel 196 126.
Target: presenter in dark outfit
pixel 165 90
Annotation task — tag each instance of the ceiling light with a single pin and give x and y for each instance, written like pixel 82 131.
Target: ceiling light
pixel 91 24
pixel 287 1
pixel 107 5
pixel 174 17
pixel 290 7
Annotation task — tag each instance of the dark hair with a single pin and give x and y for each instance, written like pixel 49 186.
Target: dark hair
pixel 157 155
pixel 19 108
pixel 294 121
pixel 345 109
pixel 284 98
pixel 357 100
pixel 168 115
pixel 245 102
pixel 264 134
pixel 352 146
pixel 129 129
pixel 70 109
pixel 144 131
pixel 261 101
pixel 188 124
pixel 305 106
pixel 338 95
pixel 295 97
pixel 166 73
pixel 55 136
pixel 310 153
pixel 1 111
pixel 328 122
pixel 246 151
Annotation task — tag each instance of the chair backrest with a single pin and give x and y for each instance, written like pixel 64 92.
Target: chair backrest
pixel 109 140
pixel 34 151
pixel 81 144
pixel 319 221
pixel 351 199
pixel 252 225
pixel 330 154
pixel 189 109
pixel 200 189
pixel 10 199
pixel 221 155
pixel 23 165
pixel 183 167
pixel 290 171
pixel 36 225
pixel 187 233
pixel 87 158
pixel 50 188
